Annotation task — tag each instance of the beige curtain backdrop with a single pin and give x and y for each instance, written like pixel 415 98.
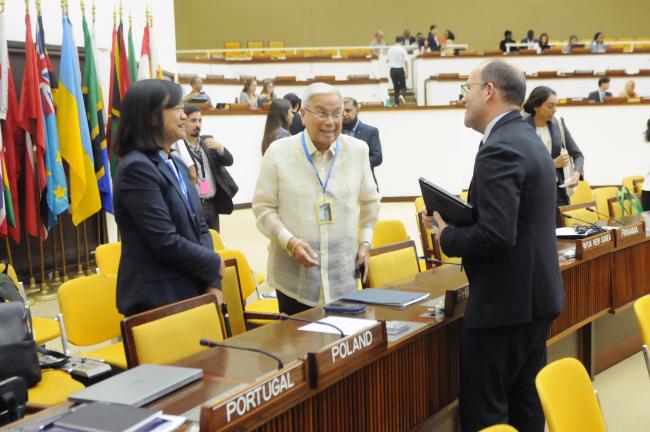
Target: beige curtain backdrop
pixel 480 23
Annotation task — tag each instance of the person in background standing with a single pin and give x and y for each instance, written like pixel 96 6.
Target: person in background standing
pixel 352 126
pixel 432 38
pixel 277 124
pixel 397 57
pixel 296 125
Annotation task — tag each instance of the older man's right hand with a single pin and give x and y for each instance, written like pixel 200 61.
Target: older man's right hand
pixel 301 252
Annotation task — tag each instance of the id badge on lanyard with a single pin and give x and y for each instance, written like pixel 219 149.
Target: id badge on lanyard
pixel 324 207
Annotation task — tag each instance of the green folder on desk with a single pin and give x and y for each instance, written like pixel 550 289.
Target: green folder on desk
pixel 385 297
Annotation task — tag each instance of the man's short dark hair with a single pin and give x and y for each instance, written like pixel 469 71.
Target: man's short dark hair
pixel 507 79
pixel 193 80
pixel 433 26
pixel 351 100
pixel 507 33
pixel 294 99
pixel 603 80
pixel 399 39
pixel 190 109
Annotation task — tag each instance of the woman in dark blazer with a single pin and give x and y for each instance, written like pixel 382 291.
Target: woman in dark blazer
pixel 541 105
pixel 167 253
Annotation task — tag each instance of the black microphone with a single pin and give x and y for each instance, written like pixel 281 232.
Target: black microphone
pixel 212 344
pixel 437 261
pixel 598 228
pixel 284 317
pixel 607 216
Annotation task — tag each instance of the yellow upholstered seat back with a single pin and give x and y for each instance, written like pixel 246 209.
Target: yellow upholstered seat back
pixel 499 428
pixel 232 296
pixel 582 214
pixel 582 193
pixel 568 398
pixel 108 257
pixel 389 232
pixel 392 263
pixel 642 311
pixel 246 278
pixel 89 309
pixel 217 241
pixel 176 336
pixel 601 195
pixel 628 182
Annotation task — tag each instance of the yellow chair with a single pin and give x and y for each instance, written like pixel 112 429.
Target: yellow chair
pixel 54 388
pixel 44 329
pixel 231 288
pixel 217 241
pixel 277 44
pixel 499 428
pixel 582 194
pixel 107 257
pixel 389 232
pixel 392 263
pixel 628 182
pixel 234 54
pixel 431 249
pixel 642 312
pixel 218 245
pixel 248 286
pixel 89 316
pixel 149 335
pixel 568 398
pixel 601 195
pixel 463 195
pixel 580 212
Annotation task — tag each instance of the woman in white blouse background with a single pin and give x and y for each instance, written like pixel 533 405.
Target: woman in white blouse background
pixel 567 157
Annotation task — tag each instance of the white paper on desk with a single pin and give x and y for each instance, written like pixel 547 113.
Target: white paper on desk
pixel 347 325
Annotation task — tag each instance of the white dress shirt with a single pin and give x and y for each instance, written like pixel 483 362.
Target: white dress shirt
pixel 285 205
pixel 397 56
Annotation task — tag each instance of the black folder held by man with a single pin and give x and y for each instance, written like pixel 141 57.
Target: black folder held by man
pixel 453 210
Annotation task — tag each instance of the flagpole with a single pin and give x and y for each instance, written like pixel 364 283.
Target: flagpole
pixel 63 264
pixel 80 269
pixel 9 258
pixel 56 279
pixel 89 271
pixel 32 280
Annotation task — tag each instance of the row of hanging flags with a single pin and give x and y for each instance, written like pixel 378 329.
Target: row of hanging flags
pixel 62 120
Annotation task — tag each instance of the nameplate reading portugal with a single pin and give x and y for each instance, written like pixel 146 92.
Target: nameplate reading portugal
pixel 594 245
pixel 234 411
pixel 345 355
pixel 629 235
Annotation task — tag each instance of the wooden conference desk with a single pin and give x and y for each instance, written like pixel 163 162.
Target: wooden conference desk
pixel 415 376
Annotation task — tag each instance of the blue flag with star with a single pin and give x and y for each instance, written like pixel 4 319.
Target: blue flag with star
pixel 56 194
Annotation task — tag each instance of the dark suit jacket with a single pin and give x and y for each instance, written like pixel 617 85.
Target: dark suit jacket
pixel 556 146
pixel 226 186
pixel 433 45
pixel 370 135
pixel 167 251
pixel 595 96
pixel 510 253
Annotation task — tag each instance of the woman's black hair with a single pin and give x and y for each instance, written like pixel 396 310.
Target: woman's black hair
pixel 275 119
pixel 597 34
pixel 141 122
pixel 537 97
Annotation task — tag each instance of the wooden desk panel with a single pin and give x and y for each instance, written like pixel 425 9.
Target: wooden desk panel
pixel 631 267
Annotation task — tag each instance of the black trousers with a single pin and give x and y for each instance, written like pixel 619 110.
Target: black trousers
pixel 209 212
pixel 645 200
pixel 498 367
pixel 290 306
pixel 399 82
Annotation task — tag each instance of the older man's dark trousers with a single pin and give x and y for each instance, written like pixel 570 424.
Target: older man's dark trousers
pixel 399 82
pixel 497 376
pixel 210 213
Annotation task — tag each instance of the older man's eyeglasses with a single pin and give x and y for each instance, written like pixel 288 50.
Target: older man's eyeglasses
pixel 464 88
pixel 325 115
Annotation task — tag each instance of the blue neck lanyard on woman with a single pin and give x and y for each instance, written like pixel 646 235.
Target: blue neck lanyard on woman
pixel 311 161
pixel 181 182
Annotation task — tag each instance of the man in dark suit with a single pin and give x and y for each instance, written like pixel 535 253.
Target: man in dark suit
pixel 510 255
pixel 600 94
pixel 354 127
pixel 432 38
pixel 207 159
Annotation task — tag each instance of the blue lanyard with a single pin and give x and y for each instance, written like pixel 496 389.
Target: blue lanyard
pixel 181 182
pixel 311 161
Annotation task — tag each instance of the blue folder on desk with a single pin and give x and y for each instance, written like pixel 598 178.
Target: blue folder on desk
pixel 385 297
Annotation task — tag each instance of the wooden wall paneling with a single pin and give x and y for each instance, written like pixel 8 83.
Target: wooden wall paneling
pixel 630 281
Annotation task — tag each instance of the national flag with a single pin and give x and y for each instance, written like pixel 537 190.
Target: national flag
pixel 144 69
pixel 74 136
pixel 94 104
pixel 6 199
pixel 133 64
pixel 32 122
pixel 156 70
pixel 56 193
pixel 13 141
pixel 120 82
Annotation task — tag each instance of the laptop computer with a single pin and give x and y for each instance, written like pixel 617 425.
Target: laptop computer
pixel 138 386
pixel 453 210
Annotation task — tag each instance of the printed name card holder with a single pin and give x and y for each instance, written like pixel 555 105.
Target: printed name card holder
pixel 270 394
pixel 629 235
pixel 595 245
pixel 346 355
